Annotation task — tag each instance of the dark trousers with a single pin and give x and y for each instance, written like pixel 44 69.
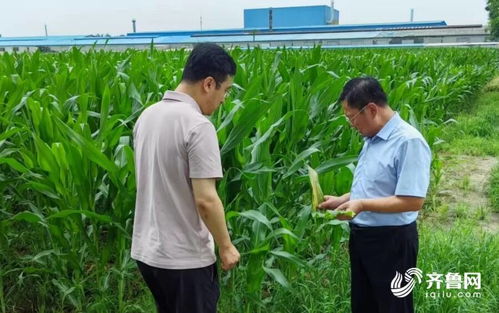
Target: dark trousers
pixel 183 291
pixel 376 253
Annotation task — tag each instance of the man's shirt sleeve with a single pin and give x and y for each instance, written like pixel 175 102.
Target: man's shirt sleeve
pixel 413 168
pixel 203 152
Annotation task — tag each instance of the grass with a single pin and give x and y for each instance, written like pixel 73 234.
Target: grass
pixel 476 131
pixel 493 190
pixel 454 241
pixel 492 86
pixel 461 210
pixel 481 213
pixel 465 183
pixel 460 247
pixel 442 212
pixel 456 247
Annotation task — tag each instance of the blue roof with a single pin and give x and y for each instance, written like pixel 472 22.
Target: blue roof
pixel 329 32
pixel 320 28
pixel 286 8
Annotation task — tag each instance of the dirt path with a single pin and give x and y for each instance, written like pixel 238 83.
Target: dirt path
pixel 463 190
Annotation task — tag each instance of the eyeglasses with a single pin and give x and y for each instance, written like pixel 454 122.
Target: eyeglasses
pixel 352 120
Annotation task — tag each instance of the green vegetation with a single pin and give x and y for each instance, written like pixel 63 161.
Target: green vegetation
pixel 493 191
pixel 493 85
pixel 458 247
pixel 68 186
pixel 476 131
pixel 493 8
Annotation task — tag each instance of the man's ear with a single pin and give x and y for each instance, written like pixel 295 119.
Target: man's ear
pixel 373 108
pixel 209 83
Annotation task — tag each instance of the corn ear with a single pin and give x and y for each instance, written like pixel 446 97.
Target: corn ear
pixel 334 214
pixel 317 195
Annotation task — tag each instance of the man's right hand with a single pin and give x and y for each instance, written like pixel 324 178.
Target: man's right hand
pixel 331 202
pixel 229 256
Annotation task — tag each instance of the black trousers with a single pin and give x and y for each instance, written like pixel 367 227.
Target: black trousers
pixel 376 253
pixel 183 291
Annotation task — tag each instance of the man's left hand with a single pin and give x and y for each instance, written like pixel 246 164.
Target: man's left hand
pixel 355 206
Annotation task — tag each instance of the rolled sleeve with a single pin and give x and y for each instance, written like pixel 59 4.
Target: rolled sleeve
pixel 203 152
pixel 413 168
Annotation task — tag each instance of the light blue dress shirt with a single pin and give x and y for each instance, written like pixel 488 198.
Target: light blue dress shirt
pixel 396 161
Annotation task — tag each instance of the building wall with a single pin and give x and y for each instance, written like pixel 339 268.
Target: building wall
pixel 437 35
pixel 335 17
pixel 288 17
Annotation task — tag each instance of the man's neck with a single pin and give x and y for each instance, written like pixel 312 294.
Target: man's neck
pixel 190 90
pixel 385 115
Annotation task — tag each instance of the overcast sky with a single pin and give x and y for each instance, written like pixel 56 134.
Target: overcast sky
pixel 82 17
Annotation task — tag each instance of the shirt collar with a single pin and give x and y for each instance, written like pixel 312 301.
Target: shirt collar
pixel 389 127
pixel 181 97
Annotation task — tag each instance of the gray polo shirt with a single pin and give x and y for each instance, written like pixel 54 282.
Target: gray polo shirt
pixel 173 143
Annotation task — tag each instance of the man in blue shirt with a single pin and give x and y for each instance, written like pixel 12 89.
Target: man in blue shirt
pixel 388 190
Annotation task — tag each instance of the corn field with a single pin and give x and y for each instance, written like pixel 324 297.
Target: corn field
pixel 67 168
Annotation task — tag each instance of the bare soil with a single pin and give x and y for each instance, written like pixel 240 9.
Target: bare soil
pixel 463 189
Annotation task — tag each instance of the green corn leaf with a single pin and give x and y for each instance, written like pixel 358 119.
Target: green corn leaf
pixel 277 275
pixel 256 216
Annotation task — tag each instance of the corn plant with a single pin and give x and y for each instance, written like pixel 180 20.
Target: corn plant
pixel 67 169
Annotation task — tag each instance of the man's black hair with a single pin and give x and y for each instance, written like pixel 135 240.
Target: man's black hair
pixel 358 92
pixel 208 59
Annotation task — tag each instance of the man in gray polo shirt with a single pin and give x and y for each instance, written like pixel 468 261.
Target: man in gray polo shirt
pixel 178 213
pixel 389 187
